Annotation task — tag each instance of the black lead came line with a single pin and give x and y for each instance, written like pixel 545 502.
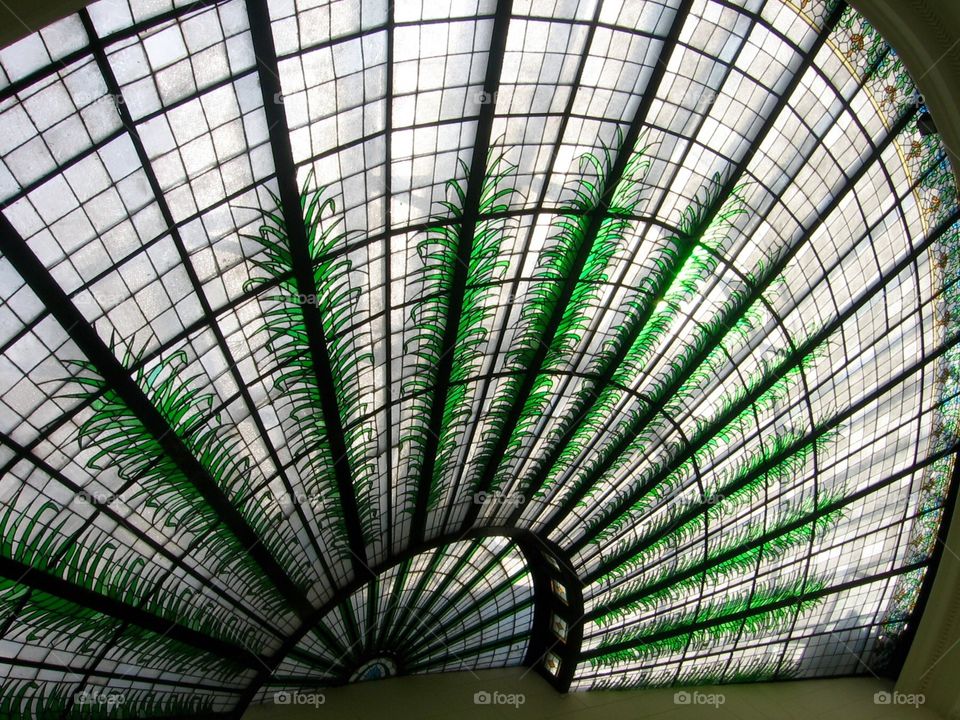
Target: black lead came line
pixel 597 217
pixel 83 334
pixel 130 127
pixel 205 583
pixel 696 626
pixel 792 359
pixel 604 606
pixel 46 582
pixel 523 538
pixel 538 210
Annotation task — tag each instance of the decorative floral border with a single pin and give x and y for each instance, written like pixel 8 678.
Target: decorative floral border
pixel 925 160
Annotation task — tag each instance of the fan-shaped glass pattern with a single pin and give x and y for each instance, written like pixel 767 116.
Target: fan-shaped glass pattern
pixel 624 331
pixel 463 606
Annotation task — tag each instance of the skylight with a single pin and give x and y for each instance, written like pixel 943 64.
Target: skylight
pixel 346 339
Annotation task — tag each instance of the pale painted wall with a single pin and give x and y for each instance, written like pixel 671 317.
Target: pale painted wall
pixel 438 697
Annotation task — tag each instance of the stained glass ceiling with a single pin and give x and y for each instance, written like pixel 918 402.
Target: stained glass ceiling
pixel 344 339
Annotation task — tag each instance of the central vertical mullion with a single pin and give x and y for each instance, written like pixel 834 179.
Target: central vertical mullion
pixel 289 194
pixel 468 223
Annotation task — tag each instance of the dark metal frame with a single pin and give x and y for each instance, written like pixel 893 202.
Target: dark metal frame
pixel 458 284
pixel 533 547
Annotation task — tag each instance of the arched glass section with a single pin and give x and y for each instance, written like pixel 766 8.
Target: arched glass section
pixel 292 290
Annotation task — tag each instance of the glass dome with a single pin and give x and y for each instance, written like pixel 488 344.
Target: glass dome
pixel 347 338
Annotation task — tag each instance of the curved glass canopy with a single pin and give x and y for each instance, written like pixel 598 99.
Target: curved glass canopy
pixel 346 338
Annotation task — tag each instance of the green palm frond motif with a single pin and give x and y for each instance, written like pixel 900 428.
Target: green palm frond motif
pixel 712 673
pixel 750 612
pixel 613 413
pixel 94 560
pixel 719 612
pixel 436 252
pixel 296 381
pixel 683 265
pixel 646 568
pixel 29 698
pixel 584 195
pixel 738 553
pixel 736 414
pixel 168 655
pixel 486 266
pixel 122 443
pixel 69 627
pixel 47 619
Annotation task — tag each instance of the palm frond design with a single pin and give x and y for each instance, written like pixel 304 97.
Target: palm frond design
pixel 62 625
pixel 296 381
pixel 486 267
pixel 437 254
pixel 556 261
pixel 123 443
pixel 94 560
pixel 667 582
pixel 714 673
pixel 164 654
pixel 782 457
pixel 32 699
pixel 749 612
pixel 48 620
pixel 28 537
pixel 685 263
